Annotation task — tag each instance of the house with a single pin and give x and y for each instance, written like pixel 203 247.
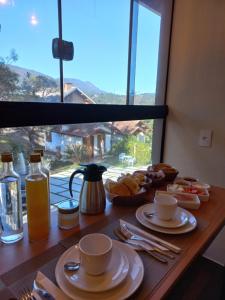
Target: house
pixel 137 128
pixel 75 95
pixel 94 138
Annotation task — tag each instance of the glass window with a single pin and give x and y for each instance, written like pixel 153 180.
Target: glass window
pixel 148 34
pixel 122 147
pixel 100 32
pixel 28 71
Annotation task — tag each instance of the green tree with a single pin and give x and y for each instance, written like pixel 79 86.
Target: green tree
pixel 8 79
pixel 77 153
pixel 141 151
pixel 40 86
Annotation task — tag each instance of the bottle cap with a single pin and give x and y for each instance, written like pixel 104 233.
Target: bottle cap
pixel 40 151
pixel 6 157
pixel 35 158
pixel 68 207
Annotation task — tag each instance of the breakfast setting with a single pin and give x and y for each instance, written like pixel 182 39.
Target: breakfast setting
pixel 121 240
pixel 111 262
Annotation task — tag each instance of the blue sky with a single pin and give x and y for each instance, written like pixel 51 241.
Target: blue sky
pixel 99 31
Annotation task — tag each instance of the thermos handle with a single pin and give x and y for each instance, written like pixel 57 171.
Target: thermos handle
pixel 71 179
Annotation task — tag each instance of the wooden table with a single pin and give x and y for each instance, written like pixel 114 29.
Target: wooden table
pixel 19 262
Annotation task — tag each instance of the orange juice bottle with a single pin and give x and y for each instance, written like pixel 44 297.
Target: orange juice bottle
pixel 38 215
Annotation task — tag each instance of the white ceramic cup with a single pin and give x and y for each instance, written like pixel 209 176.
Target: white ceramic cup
pixel 165 207
pixel 95 253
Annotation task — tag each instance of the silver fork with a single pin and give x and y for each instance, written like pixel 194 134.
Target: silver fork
pixel 26 294
pixel 130 235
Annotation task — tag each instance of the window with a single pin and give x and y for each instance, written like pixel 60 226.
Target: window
pixel 26 32
pixel 110 45
pixel 66 146
pixel 100 34
pixel 146 55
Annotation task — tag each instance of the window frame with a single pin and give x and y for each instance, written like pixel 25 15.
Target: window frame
pixel 19 114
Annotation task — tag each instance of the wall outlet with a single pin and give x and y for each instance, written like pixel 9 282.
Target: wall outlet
pixel 205 138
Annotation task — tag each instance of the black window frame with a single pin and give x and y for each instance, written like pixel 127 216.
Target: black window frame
pixel 20 114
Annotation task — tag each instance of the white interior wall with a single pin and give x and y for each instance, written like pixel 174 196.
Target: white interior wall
pixel 196 90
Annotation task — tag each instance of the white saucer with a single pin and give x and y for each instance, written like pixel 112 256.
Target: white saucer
pixel 180 219
pixel 189 226
pixel 122 291
pixel 115 274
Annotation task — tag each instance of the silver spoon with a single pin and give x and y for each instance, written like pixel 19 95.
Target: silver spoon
pixel 149 215
pixel 41 291
pixel 71 266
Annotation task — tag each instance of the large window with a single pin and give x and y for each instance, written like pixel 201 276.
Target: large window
pixel 120 63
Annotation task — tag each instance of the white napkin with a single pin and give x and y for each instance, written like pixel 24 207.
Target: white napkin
pixel 50 287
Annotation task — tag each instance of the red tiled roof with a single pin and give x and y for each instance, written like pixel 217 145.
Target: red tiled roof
pixel 84 130
pixel 130 127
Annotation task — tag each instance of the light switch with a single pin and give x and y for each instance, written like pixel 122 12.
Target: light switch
pixel 205 138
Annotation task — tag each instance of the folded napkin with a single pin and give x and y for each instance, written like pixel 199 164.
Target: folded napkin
pixel 49 286
pixel 148 236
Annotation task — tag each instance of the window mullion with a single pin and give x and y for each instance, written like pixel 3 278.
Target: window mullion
pixel 60 40
pixel 132 52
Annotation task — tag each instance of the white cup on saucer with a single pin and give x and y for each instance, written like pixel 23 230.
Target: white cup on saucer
pixel 95 253
pixel 165 207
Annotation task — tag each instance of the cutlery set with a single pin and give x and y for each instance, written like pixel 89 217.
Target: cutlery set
pixel 157 248
pixel 157 251
pixel 139 246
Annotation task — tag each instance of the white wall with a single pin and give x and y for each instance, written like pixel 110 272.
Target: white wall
pixel 196 89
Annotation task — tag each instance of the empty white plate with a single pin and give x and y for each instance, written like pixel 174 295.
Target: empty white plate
pixel 180 219
pixel 114 275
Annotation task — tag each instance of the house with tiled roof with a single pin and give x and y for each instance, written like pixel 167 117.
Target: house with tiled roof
pixel 136 127
pixel 75 95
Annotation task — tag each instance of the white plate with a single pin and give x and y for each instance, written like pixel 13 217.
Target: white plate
pixel 191 224
pixel 114 275
pixel 122 291
pixel 180 219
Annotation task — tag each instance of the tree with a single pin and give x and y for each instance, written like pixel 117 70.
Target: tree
pixel 141 151
pixel 39 85
pixel 77 153
pixel 8 79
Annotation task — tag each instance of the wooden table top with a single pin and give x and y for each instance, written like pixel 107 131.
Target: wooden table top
pixel 19 262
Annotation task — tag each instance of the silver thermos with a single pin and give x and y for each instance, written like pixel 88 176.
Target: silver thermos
pixel 92 194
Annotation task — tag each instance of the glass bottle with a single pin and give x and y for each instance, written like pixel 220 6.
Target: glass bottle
pixel 38 214
pixel 44 169
pixel 11 218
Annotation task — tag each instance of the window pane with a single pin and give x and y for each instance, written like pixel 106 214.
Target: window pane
pixel 122 147
pixel 100 32
pixel 28 71
pixel 148 34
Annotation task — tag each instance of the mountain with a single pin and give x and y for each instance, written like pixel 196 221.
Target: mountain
pixel 86 86
pixel 140 99
pixel 98 95
pixel 22 72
